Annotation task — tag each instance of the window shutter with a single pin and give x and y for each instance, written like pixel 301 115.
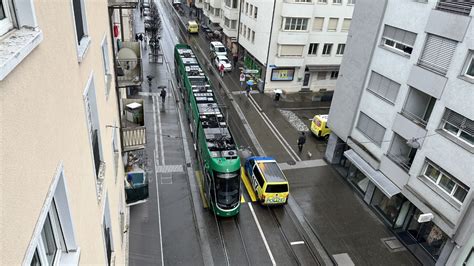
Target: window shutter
pixel 371 128
pixel 438 53
pixel 318 24
pixel 346 24
pixel 383 86
pixel 332 24
pixel 399 35
pixel 291 50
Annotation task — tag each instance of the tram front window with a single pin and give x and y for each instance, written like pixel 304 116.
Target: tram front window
pixel 227 189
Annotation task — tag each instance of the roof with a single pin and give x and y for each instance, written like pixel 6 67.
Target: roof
pixel 192 22
pixel 217 43
pixel 271 171
pixel 222 57
pixel 323 117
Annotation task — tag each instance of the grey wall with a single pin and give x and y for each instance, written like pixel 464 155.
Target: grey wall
pixel 362 38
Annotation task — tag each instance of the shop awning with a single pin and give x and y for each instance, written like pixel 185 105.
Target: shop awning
pixel 380 180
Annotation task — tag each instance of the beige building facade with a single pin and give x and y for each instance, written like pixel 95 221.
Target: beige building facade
pixel 61 176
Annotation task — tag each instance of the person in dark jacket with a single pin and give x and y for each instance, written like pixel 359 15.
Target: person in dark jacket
pixel 163 95
pixel 301 141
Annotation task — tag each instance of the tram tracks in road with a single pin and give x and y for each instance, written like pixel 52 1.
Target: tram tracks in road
pixel 222 237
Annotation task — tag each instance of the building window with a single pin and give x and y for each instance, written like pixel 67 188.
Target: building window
pixel 313 48
pixel 401 153
pixel 351 2
pixel 291 50
pixel 371 129
pixel 303 1
pixel 106 64
pixel 453 187
pixel 334 74
pixel 251 11
pixel 295 24
pixel 469 68
pixel 5 17
pixel 244 32
pixel 398 39
pixel 340 48
pixel 346 24
pixel 255 12
pixel 107 230
pixel 327 49
pixel 458 126
pixel 322 75
pixel 383 87
pixel 437 54
pixel 253 36
pixel 246 8
pixel 318 24
pixel 338 2
pixel 322 1
pixel 248 33
pixel 80 24
pixel 53 236
pixel 226 22
pixel 418 107
pixel 332 25
pixel 233 24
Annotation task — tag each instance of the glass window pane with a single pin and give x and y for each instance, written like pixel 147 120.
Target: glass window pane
pixel 470 68
pixel 446 183
pixel 451 128
pixel 460 194
pixel 35 261
pixel 432 173
pixel 467 137
pixel 48 240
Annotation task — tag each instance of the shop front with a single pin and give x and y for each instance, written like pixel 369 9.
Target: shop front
pixel 424 239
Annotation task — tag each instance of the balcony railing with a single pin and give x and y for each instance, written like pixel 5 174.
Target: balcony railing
pixel 133 138
pixel 414 118
pixel 403 162
pixel 453 6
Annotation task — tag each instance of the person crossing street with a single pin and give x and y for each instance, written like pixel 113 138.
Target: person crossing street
pixel 163 95
pixel 301 141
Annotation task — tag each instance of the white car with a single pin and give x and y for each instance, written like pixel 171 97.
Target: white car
pixel 218 48
pixel 222 59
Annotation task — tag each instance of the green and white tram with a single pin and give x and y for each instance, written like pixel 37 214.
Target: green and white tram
pixel 213 141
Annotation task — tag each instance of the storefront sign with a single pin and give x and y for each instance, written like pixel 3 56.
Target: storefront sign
pixel 283 74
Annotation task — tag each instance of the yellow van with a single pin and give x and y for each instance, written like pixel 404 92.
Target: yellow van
pixel 319 126
pixel 192 26
pixel 268 181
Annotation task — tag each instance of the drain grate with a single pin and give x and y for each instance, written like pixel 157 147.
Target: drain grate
pixel 393 244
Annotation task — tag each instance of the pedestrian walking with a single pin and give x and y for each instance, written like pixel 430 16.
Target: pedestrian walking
pixel 301 141
pixel 235 59
pixel 248 89
pixel 145 41
pixel 242 79
pixel 221 70
pixel 163 95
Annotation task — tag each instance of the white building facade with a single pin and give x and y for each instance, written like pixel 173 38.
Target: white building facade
pixel 402 121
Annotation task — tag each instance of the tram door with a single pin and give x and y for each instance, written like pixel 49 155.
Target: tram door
pixel 208 185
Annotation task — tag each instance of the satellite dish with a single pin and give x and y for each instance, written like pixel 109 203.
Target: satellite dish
pixel 127 59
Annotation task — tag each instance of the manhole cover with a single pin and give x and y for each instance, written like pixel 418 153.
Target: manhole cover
pixel 393 244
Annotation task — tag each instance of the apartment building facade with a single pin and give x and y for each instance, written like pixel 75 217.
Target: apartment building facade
pixel 402 122
pixel 62 193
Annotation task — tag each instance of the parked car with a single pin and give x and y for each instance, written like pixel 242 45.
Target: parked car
pixel 218 48
pixel 222 59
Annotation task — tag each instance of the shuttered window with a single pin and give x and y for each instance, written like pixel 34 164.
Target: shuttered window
pixel 383 87
pixel 291 50
pixel 371 129
pixel 398 39
pixel 346 24
pixel 318 24
pixel 459 126
pixel 437 53
pixel 332 25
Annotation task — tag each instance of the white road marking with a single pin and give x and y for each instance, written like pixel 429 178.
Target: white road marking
pixel 297 243
pixel 162 152
pixel 156 181
pixel 262 235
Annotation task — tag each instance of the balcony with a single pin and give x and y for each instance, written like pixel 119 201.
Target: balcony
pixel 123 3
pixel 457 7
pixel 129 65
pixel 401 152
pixel 133 127
pixel 418 107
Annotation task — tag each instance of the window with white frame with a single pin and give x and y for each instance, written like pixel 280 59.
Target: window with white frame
pixel 332 25
pixel 437 53
pixel 244 33
pixel 337 2
pixel 458 126
pixel 313 48
pixel 115 150
pixel 295 24
pixel 5 17
pixel 398 39
pixel 80 24
pixel 251 11
pixel 54 241
pixel 303 1
pixel 453 187
pixel 383 87
pixel 18 19
pixel 248 33
pixel 346 24
pixel 334 74
pixel 340 48
pixel 233 24
pixel 371 129
pixel 322 1
pixel 253 36
pixel 226 22
pixel 318 23
pixel 351 2
pixel 107 230
pixel 106 63
pixel 246 8
pixel 321 75
pixel 291 50
pixel 255 12
pixel 327 49
pixel 469 67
